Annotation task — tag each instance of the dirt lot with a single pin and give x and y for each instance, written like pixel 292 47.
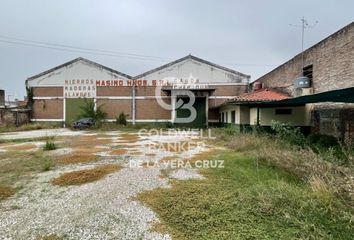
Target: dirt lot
pixel 67 193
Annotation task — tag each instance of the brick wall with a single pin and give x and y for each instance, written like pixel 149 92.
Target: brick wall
pixel 146 109
pixel 48 109
pixel 336 121
pixel 332 60
pixel 114 91
pixel 148 91
pixel 233 90
pixel 14 117
pixel 150 109
pixel 114 107
pixel 48 91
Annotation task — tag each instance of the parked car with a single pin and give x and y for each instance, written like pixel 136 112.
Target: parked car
pixel 84 123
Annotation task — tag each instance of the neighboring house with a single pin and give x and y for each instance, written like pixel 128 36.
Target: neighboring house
pixel 245 110
pixel 326 67
pixel 59 92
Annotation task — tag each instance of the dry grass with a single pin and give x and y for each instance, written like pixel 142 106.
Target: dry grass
pixel 322 190
pixel 90 141
pixel 119 151
pixel 87 150
pixel 85 176
pixel 129 138
pixel 325 178
pixel 76 158
pixel 164 173
pixel 20 147
pixel 49 237
pixel 150 154
pixel 159 227
pixel 6 192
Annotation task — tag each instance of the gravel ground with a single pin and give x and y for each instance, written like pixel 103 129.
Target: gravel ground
pixel 104 209
pixel 40 133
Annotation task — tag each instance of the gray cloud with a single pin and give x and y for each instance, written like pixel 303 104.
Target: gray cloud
pixel 231 33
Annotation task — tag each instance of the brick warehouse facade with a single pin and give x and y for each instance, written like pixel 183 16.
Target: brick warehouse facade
pixel 58 92
pixel 329 65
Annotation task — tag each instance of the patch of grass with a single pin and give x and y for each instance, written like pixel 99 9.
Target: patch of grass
pixel 28 127
pixel 20 147
pixel 303 163
pixel 6 192
pixel 49 144
pixel 85 176
pixel 129 137
pixel 119 151
pixel 47 164
pixel 49 237
pixel 21 166
pixel 248 199
pixel 23 140
pixel 76 158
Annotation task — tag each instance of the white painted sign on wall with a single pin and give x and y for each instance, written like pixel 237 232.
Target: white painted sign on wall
pixel 80 88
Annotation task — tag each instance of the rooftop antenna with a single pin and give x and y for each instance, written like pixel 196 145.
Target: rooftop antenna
pixel 304 25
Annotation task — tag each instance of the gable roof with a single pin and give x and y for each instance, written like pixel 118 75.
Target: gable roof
pixel 193 58
pixel 76 60
pixel 262 95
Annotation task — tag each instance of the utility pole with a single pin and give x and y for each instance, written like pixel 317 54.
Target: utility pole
pixel 304 25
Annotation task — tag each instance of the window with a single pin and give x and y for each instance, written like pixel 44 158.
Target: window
pixel 307 71
pixel 233 116
pixel 283 111
pixel 226 117
pixel 222 117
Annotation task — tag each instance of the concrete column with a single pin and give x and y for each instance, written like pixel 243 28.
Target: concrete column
pixel 173 103
pixel 64 112
pixel 207 109
pixel 133 105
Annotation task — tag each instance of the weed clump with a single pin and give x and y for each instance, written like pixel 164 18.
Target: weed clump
pixel 76 158
pixel 47 164
pixel 85 176
pixel 122 119
pixel 49 144
pixel 6 192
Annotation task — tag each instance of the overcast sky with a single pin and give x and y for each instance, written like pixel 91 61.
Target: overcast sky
pixel 249 36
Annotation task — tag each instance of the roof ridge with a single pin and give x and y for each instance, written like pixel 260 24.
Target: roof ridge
pixel 76 60
pixel 190 56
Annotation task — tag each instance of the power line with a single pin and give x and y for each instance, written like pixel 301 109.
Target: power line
pixel 80 48
pixel 94 51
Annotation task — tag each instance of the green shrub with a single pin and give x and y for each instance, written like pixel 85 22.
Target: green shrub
pixel 47 164
pixel 122 119
pixel 288 133
pixel 49 144
pixel 88 111
pixel 322 140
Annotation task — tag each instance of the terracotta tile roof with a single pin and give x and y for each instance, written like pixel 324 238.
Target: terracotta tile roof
pixel 263 94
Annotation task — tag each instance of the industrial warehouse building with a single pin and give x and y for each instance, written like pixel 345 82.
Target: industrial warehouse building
pixel 221 95
pixel 59 92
